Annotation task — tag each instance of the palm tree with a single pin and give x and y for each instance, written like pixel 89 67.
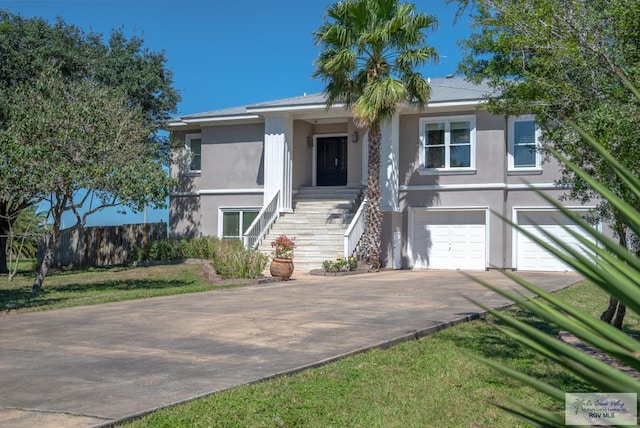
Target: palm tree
pixel 371 50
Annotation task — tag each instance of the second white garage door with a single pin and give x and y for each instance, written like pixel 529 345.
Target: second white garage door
pixel 529 255
pixel 449 240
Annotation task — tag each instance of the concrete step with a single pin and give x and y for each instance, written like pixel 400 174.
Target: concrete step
pixel 307 234
pixel 315 213
pixel 316 246
pixel 301 242
pixel 306 229
pixel 327 212
pixel 329 203
pixel 336 220
pixel 309 237
pixel 320 217
pixel 287 225
pixel 328 190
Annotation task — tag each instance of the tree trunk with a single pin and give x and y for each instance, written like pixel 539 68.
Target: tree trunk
pixel 373 214
pixel 5 228
pixel 607 315
pixel 615 307
pixel 51 245
pixel 622 310
pixel 44 267
pixel 3 253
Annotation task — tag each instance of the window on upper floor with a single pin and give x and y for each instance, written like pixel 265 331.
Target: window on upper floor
pixel 523 144
pixel 448 144
pixel 193 143
pixel 235 221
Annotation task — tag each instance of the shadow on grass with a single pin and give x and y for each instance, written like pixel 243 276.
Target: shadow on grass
pixel 124 284
pixel 632 330
pixel 22 298
pixel 488 342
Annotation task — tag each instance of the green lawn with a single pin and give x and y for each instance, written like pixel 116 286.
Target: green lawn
pixel 432 382
pixel 93 286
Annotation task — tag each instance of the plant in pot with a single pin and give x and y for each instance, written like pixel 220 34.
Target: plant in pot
pixel 282 263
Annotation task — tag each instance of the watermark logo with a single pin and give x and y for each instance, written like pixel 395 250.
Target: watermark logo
pixel 601 408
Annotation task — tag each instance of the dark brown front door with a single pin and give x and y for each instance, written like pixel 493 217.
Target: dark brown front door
pixel 332 161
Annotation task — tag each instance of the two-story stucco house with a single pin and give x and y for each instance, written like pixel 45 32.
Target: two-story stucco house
pixel 292 164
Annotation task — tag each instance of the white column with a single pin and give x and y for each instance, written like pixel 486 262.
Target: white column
pixel 389 173
pixel 278 159
pixel 287 182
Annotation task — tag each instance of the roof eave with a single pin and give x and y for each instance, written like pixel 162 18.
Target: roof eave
pixel 256 113
pixel 293 108
pixel 458 103
pixel 204 120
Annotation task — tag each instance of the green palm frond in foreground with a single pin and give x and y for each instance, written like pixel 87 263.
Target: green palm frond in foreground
pixel 609 266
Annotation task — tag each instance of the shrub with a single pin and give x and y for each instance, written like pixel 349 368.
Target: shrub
pixel 340 265
pixel 175 249
pixel 229 258
pixel 200 248
pixel 232 260
pixel 166 249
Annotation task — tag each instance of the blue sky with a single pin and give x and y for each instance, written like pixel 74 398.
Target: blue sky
pixel 228 53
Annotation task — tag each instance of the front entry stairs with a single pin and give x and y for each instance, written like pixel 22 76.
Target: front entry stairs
pixel 320 217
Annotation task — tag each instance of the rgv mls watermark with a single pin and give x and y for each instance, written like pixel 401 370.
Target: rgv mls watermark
pixel 601 408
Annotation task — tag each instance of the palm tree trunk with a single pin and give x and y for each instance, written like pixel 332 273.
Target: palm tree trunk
pixel 373 214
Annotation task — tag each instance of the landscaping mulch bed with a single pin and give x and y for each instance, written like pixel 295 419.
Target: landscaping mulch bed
pixel 572 340
pixel 322 272
pixel 208 272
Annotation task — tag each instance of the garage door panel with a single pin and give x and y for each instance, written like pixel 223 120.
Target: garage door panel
pixel 529 255
pixel 473 218
pixel 543 218
pixel 449 240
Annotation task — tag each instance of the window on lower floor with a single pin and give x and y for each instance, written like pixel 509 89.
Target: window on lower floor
pixel 524 143
pixel 448 143
pixel 236 221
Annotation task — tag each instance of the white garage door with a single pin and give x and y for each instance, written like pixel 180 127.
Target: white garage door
pixel 529 255
pixel 449 240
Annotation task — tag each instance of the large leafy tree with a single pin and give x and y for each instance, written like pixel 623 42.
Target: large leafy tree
pixel 563 59
pixel 30 48
pixel 93 148
pixel 370 53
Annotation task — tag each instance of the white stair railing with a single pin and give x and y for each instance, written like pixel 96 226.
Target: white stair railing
pixel 259 227
pixel 354 231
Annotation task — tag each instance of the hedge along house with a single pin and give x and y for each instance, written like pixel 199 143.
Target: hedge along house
pixel 293 166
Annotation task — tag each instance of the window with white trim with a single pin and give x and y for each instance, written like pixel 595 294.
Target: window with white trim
pixel 523 144
pixel 235 221
pixel 448 144
pixel 193 143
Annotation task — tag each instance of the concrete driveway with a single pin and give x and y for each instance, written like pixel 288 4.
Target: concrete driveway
pixel 94 365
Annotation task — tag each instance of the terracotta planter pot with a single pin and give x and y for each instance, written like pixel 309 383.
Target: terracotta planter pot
pixel 281 268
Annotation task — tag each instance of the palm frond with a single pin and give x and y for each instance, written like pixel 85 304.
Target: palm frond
pixel 604 262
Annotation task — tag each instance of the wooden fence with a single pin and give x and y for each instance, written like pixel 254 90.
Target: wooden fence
pixel 102 245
